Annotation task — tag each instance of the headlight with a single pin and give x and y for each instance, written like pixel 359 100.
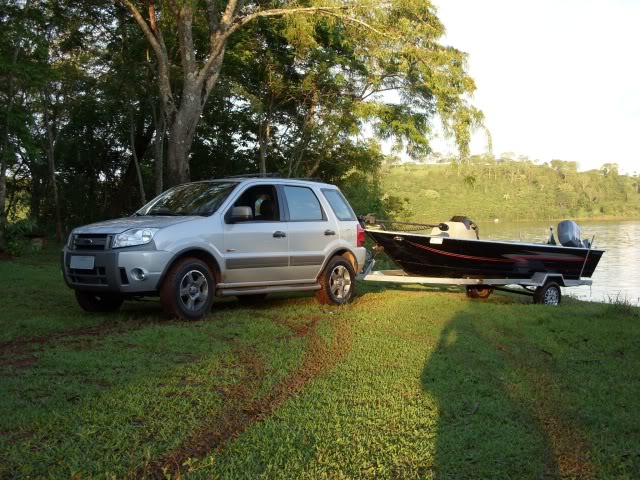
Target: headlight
pixel 135 236
pixel 70 241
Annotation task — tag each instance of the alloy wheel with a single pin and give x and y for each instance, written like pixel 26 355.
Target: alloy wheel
pixel 194 290
pixel 551 296
pixel 340 282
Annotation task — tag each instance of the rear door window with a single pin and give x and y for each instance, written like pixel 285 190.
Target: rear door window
pixel 339 204
pixel 303 205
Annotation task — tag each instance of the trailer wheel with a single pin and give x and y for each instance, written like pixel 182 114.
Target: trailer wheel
pixel 548 294
pixel 479 293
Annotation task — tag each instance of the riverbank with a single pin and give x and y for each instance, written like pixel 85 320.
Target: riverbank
pixel 511 191
pixel 410 383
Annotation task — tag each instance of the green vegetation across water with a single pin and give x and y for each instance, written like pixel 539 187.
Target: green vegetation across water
pixel 404 383
pixel 485 189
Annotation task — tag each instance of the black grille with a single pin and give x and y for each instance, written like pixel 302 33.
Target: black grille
pixel 91 242
pixel 97 276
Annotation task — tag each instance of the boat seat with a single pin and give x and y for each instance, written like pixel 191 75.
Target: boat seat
pixel 456 230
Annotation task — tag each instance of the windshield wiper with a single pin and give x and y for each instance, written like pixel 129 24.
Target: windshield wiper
pixel 161 213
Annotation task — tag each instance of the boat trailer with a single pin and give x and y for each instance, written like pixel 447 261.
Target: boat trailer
pixel 543 287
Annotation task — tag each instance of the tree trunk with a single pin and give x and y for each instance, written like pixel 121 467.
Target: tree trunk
pixel 177 159
pixel 4 156
pixel 54 186
pixel 158 146
pixel 265 134
pixel 51 159
pixel 181 133
pixel 122 199
pixel 132 139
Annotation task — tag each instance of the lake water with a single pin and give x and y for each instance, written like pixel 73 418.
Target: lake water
pixel 618 273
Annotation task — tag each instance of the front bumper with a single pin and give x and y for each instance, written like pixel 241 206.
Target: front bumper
pixel 115 270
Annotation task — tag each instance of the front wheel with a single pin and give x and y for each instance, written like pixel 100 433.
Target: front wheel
pixel 188 289
pixel 99 302
pixel 548 294
pixel 337 282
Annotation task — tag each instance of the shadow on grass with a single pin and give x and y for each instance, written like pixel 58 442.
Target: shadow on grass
pixel 503 413
pixel 484 422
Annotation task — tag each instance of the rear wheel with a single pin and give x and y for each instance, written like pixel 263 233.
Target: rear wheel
pixel 188 289
pixel 479 293
pixel 99 302
pixel 338 282
pixel 548 294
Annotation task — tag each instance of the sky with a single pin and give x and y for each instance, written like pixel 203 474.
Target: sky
pixel 556 79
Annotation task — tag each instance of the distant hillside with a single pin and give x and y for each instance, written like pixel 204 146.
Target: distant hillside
pixel 511 190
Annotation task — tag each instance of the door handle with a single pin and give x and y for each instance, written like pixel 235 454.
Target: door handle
pixel 279 234
pixel 329 232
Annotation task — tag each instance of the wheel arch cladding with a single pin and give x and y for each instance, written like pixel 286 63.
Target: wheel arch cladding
pixel 347 254
pixel 202 255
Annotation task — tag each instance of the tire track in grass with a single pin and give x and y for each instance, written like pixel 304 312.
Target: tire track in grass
pixel 241 410
pixel 566 446
pixel 18 353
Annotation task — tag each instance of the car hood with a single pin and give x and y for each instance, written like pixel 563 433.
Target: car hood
pixel 119 225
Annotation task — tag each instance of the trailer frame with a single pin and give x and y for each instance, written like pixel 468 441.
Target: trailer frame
pixel 542 282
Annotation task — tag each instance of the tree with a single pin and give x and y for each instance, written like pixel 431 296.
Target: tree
pixel 401 38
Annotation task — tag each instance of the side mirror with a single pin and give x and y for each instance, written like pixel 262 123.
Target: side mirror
pixel 241 214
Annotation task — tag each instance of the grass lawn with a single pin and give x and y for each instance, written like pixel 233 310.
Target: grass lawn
pixel 402 383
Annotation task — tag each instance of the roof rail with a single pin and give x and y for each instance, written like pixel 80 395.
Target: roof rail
pixel 258 175
pixel 308 179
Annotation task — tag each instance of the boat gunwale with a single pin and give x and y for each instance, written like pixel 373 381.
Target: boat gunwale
pixel 504 242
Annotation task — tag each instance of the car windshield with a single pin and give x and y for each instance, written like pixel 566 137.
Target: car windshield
pixel 189 199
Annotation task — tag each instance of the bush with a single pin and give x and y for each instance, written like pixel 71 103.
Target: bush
pixel 15 233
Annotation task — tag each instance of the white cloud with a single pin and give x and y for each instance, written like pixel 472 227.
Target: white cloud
pixel 556 78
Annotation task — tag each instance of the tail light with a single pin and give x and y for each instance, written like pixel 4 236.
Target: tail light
pixel 360 236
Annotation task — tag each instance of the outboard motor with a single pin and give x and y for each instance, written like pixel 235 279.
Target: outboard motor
pixel 569 234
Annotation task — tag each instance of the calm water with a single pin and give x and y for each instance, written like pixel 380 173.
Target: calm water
pixel 618 273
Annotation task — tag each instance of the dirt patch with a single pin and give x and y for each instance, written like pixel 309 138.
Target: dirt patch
pixel 241 409
pixel 19 362
pixel 81 338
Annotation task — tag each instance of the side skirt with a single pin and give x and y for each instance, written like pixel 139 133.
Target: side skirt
pixel 232 292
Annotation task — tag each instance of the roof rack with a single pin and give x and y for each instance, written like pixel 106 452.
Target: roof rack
pixel 274 175
pixel 258 175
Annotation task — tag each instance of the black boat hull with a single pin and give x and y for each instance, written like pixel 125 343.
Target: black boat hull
pixel 446 257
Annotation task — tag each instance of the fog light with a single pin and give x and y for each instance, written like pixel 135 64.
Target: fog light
pixel 138 274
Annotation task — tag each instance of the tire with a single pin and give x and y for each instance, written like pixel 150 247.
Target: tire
pixel 188 289
pixel 253 299
pixel 338 282
pixel 99 302
pixel 548 294
pixel 479 293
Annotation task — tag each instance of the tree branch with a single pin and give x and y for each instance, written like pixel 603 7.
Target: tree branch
pixel 185 38
pixel 279 12
pixel 142 23
pixel 212 20
pixel 154 36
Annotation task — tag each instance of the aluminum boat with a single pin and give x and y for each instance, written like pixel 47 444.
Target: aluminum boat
pixel 454 250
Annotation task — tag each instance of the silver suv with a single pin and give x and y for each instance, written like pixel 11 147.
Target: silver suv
pixel 243 237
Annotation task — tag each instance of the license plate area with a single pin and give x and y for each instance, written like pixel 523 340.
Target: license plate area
pixel 82 262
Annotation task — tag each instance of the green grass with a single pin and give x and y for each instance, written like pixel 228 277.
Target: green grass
pixel 402 383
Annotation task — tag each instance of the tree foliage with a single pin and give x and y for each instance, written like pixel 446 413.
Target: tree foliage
pixel 511 188
pixel 97 98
